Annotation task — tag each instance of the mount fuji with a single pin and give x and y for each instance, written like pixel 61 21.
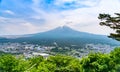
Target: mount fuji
pixel 64 36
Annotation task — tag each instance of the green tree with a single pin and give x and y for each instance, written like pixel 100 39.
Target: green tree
pixel 9 63
pixel 112 22
pixel 65 63
pixel 36 60
pixel 46 67
pixel 34 63
pixel 115 56
pixel 97 62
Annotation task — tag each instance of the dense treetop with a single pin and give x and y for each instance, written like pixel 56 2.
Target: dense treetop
pixel 94 62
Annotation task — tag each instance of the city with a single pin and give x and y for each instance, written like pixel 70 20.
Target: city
pixel 30 50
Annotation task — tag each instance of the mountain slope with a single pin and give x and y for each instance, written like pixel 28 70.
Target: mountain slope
pixel 65 36
pixel 64 32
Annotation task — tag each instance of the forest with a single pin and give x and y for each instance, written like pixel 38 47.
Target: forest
pixel 94 62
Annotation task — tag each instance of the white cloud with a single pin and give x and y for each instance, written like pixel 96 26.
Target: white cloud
pixel 90 2
pixel 9 12
pixel 17 26
pixel 85 19
pixel 77 3
pixel 82 19
pixel 61 2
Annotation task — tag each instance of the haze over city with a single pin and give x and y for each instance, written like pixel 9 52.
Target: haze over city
pixel 32 16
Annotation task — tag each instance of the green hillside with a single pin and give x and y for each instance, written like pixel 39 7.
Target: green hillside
pixel 94 62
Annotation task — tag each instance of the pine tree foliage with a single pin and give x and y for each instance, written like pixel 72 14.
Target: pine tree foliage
pixel 113 22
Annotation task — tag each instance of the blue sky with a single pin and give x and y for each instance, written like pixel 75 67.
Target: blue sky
pixel 32 16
